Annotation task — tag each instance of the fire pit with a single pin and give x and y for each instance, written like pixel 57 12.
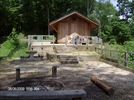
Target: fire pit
pixel 36 86
pixel 41 90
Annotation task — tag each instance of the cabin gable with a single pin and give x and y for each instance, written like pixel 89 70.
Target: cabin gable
pixel 73 25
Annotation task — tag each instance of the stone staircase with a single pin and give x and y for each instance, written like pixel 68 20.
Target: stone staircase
pixel 67 59
pixel 66 54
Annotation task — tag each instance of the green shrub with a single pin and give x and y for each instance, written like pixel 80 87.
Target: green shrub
pixel 7 44
pixel 129 46
pixel 13 37
pixel 13 47
pixel 49 38
pixel 112 41
pixel 21 49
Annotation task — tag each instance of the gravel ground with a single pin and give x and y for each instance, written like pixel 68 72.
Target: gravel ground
pixel 76 76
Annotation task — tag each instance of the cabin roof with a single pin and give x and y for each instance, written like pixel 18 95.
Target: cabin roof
pixel 92 23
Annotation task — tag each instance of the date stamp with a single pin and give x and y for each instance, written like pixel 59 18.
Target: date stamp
pixel 23 89
pixel 32 89
pixel 16 89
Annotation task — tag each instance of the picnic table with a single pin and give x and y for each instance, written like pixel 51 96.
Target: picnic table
pixel 31 54
pixel 18 67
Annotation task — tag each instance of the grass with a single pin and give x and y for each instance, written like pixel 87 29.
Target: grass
pixel 119 55
pixel 131 66
pixel 21 49
pixel 8 49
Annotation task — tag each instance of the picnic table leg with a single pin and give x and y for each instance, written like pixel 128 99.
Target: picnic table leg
pixel 17 74
pixel 54 71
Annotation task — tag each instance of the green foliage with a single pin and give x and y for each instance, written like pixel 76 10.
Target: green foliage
pixel 6 48
pixel 33 16
pixel 21 49
pixel 7 44
pixel 112 41
pixel 13 38
pixel 49 38
pixel 125 9
pixel 121 32
pixel 127 46
pixel 13 47
pixel 116 30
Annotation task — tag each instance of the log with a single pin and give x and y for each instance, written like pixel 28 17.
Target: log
pixel 102 85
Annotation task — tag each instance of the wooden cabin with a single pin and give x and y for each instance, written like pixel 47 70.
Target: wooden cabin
pixel 72 25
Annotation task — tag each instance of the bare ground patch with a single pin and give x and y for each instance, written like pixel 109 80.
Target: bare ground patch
pixel 75 76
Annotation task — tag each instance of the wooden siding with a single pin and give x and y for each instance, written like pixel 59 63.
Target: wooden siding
pixel 76 27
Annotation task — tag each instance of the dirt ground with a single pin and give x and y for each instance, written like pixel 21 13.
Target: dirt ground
pixel 75 76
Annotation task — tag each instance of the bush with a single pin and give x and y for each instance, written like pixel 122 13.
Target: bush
pixel 21 49
pixel 13 47
pixel 129 45
pixel 112 41
pixel 13 38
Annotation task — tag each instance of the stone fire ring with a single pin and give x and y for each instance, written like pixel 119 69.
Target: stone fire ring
pixel 33 85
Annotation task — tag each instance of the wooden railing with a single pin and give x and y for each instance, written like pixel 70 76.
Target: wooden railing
pixel 124 58
pixel 40 38
pixel 83 40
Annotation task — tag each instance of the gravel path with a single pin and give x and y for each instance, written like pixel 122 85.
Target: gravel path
pixel 120 80
pixel 77 76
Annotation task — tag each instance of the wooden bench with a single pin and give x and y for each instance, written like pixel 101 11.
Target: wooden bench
pixel 45 95
pixel 54 70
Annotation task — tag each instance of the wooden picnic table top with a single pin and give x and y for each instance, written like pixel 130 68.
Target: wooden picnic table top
pixel 18 66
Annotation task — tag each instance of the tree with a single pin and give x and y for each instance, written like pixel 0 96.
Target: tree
pixel 125 9
pixel 5 22
pixel 103 10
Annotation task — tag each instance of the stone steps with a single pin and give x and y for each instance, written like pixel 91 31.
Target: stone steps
pixel 68 59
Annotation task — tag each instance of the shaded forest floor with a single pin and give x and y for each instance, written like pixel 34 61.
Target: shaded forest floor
pixel 75 76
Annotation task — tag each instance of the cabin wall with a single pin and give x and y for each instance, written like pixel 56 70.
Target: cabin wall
pixel 72 26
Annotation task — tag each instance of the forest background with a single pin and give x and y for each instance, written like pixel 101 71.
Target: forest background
pixel 33 16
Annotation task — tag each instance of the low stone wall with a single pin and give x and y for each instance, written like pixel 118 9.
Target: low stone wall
pixel 55 57
pixel 42 50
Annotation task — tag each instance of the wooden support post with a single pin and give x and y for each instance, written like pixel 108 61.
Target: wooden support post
pixel 110 53
pixel 54 71
pixel 125 62
pixel 102 85
pixel 53 40
pixel 17 74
